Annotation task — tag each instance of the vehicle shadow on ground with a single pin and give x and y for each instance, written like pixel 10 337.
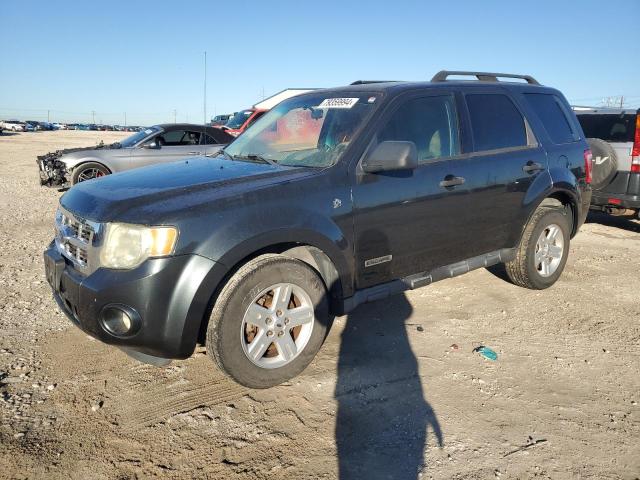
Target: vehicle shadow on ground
pixel 623 223
pixel 382 417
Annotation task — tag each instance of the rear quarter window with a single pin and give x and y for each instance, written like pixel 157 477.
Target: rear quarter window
pixel 609 127
pixel 553 117
pixel 496 123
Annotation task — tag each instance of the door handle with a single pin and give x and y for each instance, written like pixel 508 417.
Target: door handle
pixel 194 153
pixel 531 167
pixel 451 181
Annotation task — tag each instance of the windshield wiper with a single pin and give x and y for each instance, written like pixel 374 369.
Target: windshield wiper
pixel 255 157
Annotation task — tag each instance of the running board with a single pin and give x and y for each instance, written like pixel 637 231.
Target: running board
pixel 423 279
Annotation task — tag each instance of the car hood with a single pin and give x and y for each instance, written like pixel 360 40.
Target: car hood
pixel 158 194
pixel 72 155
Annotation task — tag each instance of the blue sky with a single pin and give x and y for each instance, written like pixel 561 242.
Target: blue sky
pixel 145 58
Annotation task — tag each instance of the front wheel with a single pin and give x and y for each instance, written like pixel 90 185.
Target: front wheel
pixel 269 321
pixel 543 250
pixel 88 171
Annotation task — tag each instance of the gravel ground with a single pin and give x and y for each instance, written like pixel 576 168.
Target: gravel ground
pixel 396 392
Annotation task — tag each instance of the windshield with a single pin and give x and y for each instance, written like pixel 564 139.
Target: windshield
pixel 138 136
pixel 310 130
pixel 238 119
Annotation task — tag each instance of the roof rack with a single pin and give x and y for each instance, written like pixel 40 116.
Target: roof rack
pixel 366 82
pixel 482 76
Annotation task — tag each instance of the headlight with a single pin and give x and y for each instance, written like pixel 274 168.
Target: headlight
pixel 127 246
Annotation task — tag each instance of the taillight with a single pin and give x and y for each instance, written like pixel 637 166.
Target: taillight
pixel 635 151
pixel 588 159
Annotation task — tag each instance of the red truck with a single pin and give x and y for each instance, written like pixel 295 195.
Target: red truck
pixel 241 120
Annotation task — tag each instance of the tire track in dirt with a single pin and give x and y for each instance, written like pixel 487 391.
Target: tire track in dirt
pixel 149 406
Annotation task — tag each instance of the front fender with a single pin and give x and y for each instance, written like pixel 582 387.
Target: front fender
pixel 243 236
pixel 72 162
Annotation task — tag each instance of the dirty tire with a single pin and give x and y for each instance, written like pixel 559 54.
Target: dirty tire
pixel 522 269
pixel 224 331
pixel 86 167
pixel 605 163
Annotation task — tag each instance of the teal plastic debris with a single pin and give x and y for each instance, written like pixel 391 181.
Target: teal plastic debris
pixel 486 352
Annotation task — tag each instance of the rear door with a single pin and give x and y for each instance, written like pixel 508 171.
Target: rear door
pixel 506 159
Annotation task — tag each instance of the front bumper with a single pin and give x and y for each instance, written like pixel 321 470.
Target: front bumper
pixel 171 296
pixel 53 172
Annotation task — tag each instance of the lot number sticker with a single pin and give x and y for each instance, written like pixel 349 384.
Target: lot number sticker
pixel 338 103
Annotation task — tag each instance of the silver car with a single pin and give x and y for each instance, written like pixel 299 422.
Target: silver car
pixel 157 144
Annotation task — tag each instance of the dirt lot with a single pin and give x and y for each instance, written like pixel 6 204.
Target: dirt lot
pixel 389 396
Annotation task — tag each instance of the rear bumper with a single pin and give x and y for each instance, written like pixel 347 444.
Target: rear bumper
pixel 622 192
pixel 604 199
pixel 170 295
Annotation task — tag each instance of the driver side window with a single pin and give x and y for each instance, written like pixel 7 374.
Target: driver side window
pixel 430 123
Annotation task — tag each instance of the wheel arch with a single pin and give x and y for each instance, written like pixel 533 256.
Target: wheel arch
pixel 559 197
pixel 84 161
pixel 327 261
pixel 568 201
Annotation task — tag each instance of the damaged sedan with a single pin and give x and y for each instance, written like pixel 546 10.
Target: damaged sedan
pixel 157 144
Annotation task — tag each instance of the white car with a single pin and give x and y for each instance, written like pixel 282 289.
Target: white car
pixel 13 125
pixel 60 126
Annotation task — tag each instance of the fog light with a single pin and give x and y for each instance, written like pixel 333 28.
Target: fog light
pixel 119 320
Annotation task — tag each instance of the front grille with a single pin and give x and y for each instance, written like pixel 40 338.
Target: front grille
pixel 75 239
pixel 80 230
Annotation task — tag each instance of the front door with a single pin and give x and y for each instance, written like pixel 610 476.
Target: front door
pixel 414 220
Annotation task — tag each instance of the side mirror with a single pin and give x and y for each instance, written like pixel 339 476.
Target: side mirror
pixel 390 155
pixel 151 146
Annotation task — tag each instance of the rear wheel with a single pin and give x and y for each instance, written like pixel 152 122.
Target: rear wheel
pixel 543 250
pixel 89 171
pixel 269 321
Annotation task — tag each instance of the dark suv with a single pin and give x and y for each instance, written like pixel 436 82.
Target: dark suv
pixel 334 198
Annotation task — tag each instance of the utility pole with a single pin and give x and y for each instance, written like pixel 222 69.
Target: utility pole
pixel 621 100
pixel 125 119
pixel 205 87
pixel 48 116
pixel 93 116
pixel 174 115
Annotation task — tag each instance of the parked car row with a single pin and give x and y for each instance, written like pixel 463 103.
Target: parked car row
pixel 17 126
pixel 33 125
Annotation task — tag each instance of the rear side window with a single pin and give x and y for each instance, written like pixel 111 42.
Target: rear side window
pixel 178 138
pixel 609 127
pixel 208 140
pixel 429 122
pixel 495 122
pixel 553 117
